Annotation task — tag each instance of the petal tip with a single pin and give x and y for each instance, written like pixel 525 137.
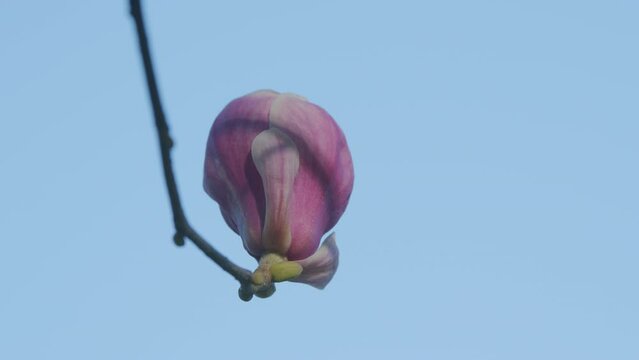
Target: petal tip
pixel 319 268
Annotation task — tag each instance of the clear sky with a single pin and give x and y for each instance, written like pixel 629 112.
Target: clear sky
pixel 495 213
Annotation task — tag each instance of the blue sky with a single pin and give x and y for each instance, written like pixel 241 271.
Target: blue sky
pixel 495 213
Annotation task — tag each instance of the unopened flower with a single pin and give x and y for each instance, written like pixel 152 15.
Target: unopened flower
pixel 280 170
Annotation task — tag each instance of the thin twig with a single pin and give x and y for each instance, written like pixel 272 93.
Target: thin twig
pixel 182 227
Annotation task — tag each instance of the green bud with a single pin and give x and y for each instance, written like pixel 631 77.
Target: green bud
pixel 285 270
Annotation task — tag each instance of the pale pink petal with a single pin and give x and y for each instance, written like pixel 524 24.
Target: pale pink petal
pixel 277 162
pixel 319 268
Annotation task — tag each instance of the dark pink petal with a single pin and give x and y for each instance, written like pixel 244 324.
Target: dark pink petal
pixel 230 177
pixel 325 179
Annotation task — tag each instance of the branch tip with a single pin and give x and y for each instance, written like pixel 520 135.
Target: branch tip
pixel 178 239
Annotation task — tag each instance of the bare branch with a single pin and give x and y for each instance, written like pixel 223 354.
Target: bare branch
pixel 182 228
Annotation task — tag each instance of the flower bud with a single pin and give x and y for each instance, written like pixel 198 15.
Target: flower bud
pixel 280 169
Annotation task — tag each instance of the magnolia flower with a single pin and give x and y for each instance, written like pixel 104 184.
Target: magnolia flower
pixel 280 170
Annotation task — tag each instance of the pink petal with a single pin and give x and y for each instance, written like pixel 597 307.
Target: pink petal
pixel 325 178
pixel 230 177
pixel 277 162
pixel 319 268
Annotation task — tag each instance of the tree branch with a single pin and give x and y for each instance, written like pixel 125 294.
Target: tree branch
pixel 182 227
